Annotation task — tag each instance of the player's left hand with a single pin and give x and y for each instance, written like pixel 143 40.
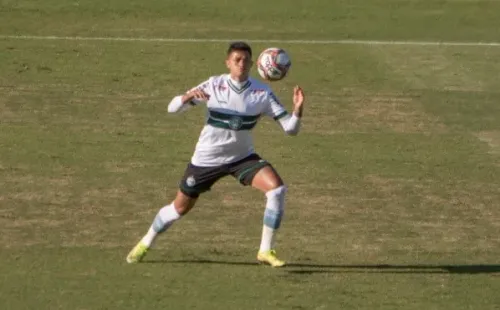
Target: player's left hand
pixel 298 100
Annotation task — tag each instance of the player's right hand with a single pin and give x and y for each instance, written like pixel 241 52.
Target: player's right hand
pixel 198 94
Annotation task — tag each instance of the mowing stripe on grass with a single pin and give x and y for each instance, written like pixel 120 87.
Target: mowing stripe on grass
pixel 208 40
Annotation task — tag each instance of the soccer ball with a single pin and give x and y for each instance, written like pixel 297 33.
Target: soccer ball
pixel 273 64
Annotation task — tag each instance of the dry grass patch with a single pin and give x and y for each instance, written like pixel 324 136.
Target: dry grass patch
pixel 366 112
pixel 399 113
pixel 492 138
pixel 416 216
pixel 124 167
pixel 432 68
pixel 6 113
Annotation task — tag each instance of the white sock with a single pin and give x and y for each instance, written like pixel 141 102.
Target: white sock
pixel 150 236
pixel 273 214
pixel 163 220
pixel 267 242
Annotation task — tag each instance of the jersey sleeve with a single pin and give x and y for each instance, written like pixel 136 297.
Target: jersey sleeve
pixel 176 105
pixel 274 108
pixel 205 86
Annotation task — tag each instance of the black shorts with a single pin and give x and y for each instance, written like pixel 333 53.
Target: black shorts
pixel 197 180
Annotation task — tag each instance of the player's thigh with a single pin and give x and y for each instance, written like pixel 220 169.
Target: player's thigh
pixel 256 172
pixel 197 180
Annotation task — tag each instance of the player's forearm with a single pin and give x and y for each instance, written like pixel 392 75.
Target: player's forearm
pixel 290 124
pixel 298 112
pixel 179 104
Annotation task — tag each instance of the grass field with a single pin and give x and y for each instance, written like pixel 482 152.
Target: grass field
pixel 394 180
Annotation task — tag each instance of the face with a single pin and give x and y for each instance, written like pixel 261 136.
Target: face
pixel 239 64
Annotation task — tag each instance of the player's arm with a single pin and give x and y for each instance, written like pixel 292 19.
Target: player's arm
pixel 191 98
pixel 289 123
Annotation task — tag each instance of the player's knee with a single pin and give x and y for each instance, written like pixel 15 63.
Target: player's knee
pixel 182 208
pixel 184 203
pixel 278 190
pixel 278 194
pixel 276 184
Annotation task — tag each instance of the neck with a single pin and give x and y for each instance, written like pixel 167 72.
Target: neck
pixel 239 79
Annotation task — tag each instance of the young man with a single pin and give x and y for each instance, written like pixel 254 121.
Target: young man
pixel 235 102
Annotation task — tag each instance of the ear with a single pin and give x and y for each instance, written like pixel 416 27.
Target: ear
pixel 228 63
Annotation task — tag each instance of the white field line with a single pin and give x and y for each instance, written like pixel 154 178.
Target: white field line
pixel 271 41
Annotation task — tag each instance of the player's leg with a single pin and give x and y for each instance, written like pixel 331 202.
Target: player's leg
pixel 196 180
pixel 168 215
pixel 261 175
pixel 162 221
pixel 268 181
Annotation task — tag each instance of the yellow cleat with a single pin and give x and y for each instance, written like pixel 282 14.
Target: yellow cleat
pixel 137 253
pixel 269 257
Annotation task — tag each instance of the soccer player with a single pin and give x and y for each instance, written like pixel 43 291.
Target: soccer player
pixel 235 102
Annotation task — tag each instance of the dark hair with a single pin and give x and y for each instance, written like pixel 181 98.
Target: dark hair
pixel 239 46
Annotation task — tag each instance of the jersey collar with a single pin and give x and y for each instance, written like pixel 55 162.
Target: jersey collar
pixel 238 87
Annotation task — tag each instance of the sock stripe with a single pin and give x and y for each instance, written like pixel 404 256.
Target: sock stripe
pixel 272 218
pixel 158 225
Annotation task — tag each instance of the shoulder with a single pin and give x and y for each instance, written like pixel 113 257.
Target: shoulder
pixel 262 89
pixel 266 90
pixel 256 84
pixel 218 79
pixel 211 81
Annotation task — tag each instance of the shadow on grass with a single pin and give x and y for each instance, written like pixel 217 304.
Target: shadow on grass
pixel 454 269
pixel 303 268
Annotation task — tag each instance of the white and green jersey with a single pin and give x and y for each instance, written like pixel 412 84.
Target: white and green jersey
pixel 233 110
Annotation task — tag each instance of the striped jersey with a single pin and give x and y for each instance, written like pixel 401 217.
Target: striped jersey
pixel 233 110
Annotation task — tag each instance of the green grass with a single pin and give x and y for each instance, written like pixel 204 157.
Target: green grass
pixel 394 179
pixel 374 19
